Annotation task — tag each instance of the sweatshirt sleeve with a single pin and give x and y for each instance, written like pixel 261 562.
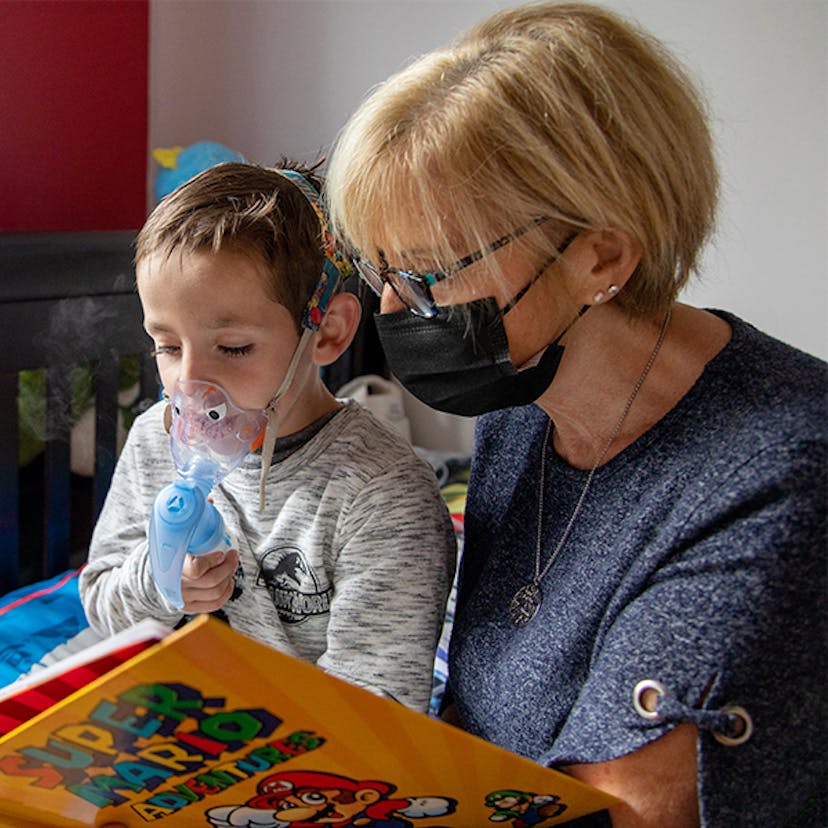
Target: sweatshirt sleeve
pixel 392 573
pixel 116 585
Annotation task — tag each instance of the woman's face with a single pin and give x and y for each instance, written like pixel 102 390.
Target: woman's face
pixel 532 323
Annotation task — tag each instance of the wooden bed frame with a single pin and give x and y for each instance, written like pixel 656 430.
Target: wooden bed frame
pixel 65 298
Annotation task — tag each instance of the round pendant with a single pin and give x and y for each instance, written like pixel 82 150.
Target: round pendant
pixel 525 604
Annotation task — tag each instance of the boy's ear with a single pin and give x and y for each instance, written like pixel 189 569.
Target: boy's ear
pixel 337 330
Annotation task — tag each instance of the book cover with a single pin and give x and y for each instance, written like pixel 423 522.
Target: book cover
pixel 211 728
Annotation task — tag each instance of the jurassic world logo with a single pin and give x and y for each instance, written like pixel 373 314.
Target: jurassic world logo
pixel 293 585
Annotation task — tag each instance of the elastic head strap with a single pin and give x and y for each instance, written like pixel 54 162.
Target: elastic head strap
pixel 335 267
pixel 272 413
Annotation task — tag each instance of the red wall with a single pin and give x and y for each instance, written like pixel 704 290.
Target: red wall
pixel 73 114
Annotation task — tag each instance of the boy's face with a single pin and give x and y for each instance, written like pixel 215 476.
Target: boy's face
pixel 212 319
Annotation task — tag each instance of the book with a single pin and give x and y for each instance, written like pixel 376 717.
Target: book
pixel 208 727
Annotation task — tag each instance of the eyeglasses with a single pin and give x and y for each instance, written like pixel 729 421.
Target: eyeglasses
pixel 414 289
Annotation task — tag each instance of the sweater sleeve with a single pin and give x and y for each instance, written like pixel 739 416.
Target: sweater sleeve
pixel 116 585
pixel 728 620
pixel 392 573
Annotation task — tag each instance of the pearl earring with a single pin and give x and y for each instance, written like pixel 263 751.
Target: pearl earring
pixel 600 295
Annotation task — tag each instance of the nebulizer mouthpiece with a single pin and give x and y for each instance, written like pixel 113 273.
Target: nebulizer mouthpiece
pixel 209 437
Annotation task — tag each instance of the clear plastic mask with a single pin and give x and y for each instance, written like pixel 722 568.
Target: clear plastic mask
pixel 209 434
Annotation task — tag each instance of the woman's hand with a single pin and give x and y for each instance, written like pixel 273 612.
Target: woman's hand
pixel 207 580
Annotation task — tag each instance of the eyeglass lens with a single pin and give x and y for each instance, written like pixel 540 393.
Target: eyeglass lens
pixel 410 291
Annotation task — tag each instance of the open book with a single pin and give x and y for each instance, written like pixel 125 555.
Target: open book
pixel 207 727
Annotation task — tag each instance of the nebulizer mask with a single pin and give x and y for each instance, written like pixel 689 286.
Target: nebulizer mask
pixel 210 436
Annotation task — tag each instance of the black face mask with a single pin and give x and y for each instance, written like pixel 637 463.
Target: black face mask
pixel 461 364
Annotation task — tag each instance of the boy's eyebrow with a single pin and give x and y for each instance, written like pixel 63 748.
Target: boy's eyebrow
pixel 213 324
pixel 230 322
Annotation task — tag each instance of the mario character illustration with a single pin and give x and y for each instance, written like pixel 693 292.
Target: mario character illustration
pixel 306 799
pixel 523 808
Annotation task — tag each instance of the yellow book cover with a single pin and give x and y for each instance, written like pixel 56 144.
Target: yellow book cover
pixel 211 728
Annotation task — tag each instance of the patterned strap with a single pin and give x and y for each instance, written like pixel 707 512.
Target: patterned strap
pixel 336 267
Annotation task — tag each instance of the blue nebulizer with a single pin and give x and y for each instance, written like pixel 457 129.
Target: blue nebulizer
pixel 209 437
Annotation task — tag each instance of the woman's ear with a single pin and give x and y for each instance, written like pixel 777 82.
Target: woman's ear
pixel 605 261
pixel 337 330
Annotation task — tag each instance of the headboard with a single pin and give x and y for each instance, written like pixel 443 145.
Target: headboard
pixel 65 299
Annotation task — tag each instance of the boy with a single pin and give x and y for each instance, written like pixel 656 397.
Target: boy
pixel 343 549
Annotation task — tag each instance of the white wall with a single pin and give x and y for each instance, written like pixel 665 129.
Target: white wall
pixel 273 77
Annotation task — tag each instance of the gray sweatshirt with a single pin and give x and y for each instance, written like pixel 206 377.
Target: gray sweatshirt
pixel 348 566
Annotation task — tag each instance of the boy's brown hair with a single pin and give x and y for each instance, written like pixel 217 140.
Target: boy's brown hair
pixel 248 209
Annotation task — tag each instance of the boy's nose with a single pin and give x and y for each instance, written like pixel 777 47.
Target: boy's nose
pixel 189 365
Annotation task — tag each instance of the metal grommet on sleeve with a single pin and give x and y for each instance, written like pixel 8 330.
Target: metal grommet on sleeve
pixel 646 696
pixel 739 726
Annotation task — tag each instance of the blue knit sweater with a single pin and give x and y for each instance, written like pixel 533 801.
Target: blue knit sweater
pixel 698 561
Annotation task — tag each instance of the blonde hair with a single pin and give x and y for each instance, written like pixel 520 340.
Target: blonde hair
pixel 249 209
pixel 558 110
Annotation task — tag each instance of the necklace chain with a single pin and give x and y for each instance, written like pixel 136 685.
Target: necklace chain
pixel 527 600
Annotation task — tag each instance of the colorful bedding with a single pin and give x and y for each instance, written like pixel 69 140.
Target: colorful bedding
pixel 41 623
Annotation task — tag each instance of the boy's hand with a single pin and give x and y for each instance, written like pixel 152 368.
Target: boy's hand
pixel 207 580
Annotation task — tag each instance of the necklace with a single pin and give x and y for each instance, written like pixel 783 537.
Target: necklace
pixel 527 600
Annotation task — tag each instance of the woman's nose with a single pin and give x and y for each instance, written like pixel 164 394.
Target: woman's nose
pixel 390 302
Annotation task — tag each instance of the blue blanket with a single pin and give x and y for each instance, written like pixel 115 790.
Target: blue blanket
pixel 37 619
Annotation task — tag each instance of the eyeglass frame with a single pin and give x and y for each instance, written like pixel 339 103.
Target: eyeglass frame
pixel 421 283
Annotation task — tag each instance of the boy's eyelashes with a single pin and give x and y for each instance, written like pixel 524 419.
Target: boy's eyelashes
pixel 238 350
pixel 163 350
pixel 227 350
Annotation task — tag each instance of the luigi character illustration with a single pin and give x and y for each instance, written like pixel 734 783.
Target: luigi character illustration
pixel 523 808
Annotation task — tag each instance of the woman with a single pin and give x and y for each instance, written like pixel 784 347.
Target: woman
pixel 641 594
